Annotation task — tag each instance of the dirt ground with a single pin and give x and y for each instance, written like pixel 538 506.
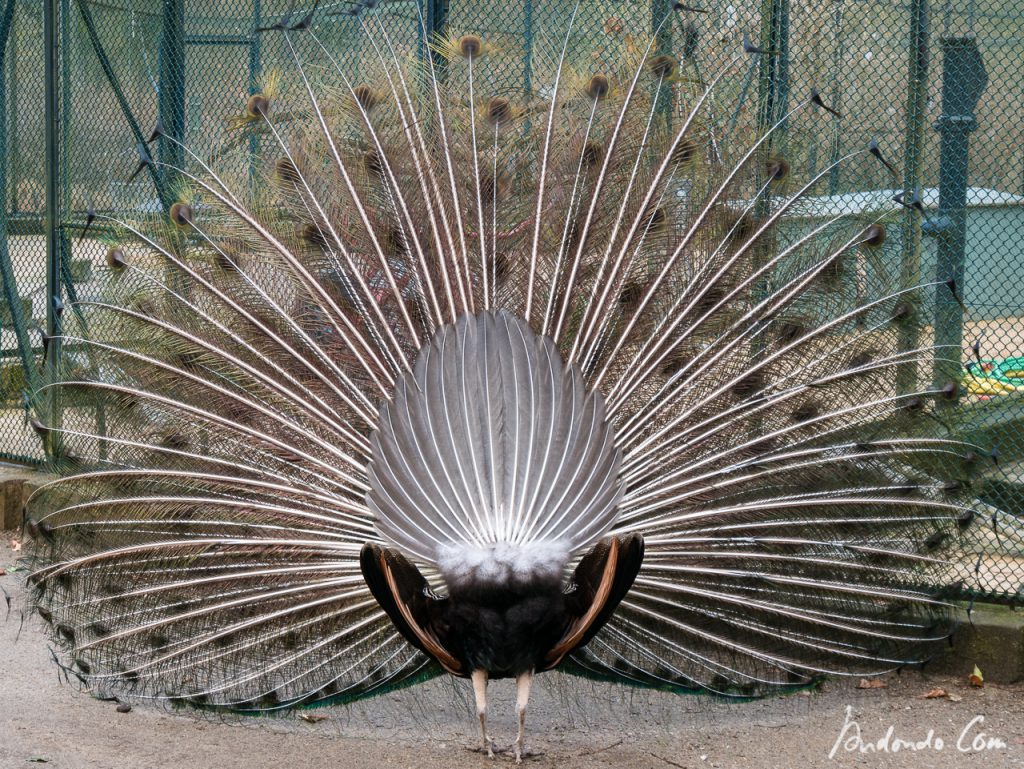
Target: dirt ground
pixel 570 724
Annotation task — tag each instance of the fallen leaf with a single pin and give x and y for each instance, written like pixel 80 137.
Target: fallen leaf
pixel 3 572
pixel 311 718
pixel 955 698
pixel 872 683
pixel 934 694
pixel 15 545
pixel 976 678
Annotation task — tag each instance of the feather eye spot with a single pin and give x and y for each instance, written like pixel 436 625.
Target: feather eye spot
pixel 873 235
pixel 116 260
pixel 777 169
pixel 366 97
pixel 965 519
pixel 269 700
pixel 257 106
pixel 630 294
pixel 674 363
pixel 470 46
pixel 955 486
pixel 592 155
pixel 860 359
pixel 598 87
pixel 663 66
pixel 790 331
pixel 709 300
pixel 175 442
pixel 287 172
pixel 45 530
pixel 683 153
pixel 655 220
pixel 146 306
pixel 749 385
pixel 396 243
pixel 158 640
pixel 492 187
pixel 502 267
pixel 806 412
pixel 372 163
pixel 913 405
pixel 903 312
pixel 181 214
pixel 313 235
pixel 499 110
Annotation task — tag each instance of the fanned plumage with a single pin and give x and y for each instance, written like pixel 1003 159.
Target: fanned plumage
pixel 483 328
pixel 491 445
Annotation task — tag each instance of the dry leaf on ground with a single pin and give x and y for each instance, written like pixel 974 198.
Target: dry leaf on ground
pixel 872 683
pixel 934 694
pixel 976 678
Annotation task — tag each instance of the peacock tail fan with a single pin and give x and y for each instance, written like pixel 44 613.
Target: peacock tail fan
pixel 491 328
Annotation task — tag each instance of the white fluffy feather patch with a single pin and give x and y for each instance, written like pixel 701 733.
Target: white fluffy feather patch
pixel 502 563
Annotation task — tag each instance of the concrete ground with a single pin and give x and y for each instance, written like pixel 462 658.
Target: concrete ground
pixel 570 723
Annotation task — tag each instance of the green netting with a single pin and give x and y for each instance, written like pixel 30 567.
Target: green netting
pixel 937 85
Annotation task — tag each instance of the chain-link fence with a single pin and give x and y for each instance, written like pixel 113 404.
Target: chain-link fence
pixel 937 85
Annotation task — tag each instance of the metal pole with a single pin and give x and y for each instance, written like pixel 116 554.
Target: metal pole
pixel 836 98
pixel 774 92
pixel 774 63
pixel 661 28
pixel 963 81
pixel 52 128
pixel 172 91
pixel 528 46
pixel 913 152
pixel 436 21
pixel 8 283
pixel 14 140
pixel 255 70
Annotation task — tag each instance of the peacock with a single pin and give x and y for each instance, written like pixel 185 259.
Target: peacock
pixel 423 374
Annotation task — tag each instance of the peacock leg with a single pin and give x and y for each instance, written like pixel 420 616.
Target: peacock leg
pixel 480 690
pixel 522 697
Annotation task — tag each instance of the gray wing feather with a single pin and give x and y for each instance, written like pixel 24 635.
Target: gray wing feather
pixel 492 439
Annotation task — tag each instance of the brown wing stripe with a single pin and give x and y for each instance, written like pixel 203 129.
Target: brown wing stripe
pixel 428 639
pixel 579 627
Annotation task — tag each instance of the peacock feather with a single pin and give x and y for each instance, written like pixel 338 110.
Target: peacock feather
pixel 491 381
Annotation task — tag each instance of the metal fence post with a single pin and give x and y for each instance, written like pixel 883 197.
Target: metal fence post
pixel 913 152
pixel 963 81
pixel 661 27
pixel 172 92
pixel 54 302
pixel 774 73
pixel 436 18
pixel 8 282
pixel 528 46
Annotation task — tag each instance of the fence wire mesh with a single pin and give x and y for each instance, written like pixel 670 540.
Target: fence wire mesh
pixel 936 84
